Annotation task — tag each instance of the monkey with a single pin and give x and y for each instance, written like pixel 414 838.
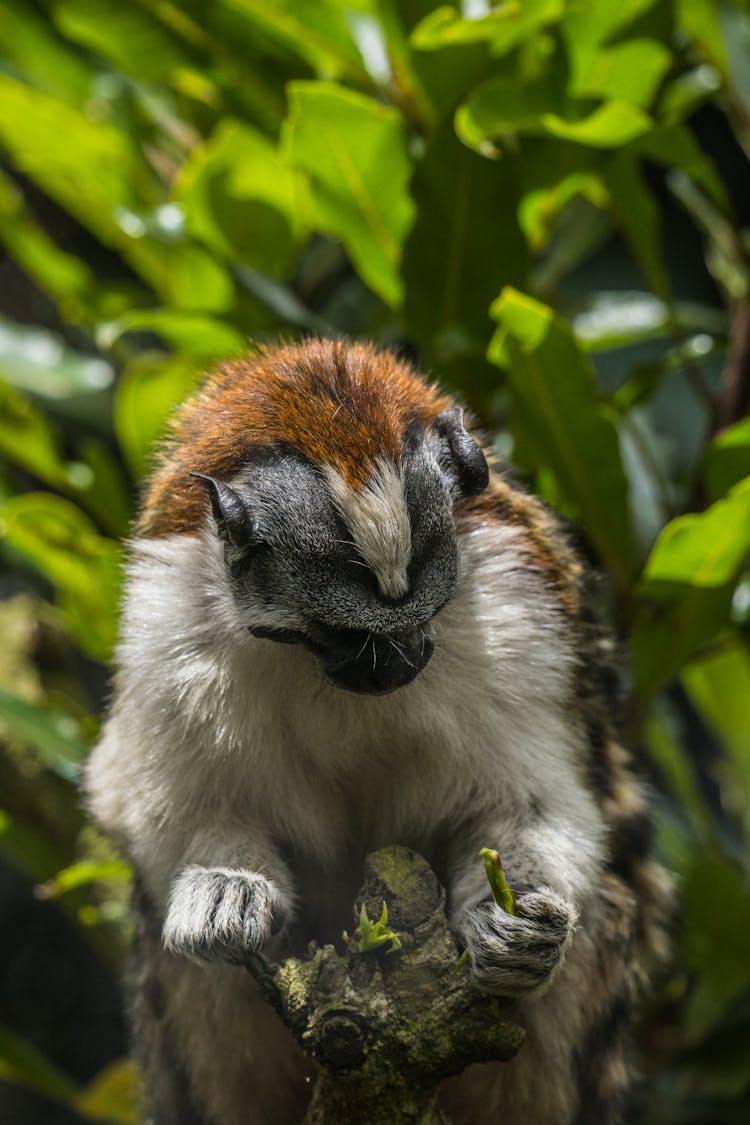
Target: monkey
pixel 343 627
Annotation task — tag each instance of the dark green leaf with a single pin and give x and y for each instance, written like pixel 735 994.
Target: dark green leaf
pixel 463 248
pixel 53 736
pixel 554 393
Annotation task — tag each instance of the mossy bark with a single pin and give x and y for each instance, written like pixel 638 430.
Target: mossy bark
pixel 386 1028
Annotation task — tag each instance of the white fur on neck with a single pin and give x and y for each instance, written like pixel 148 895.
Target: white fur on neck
pixel 378 519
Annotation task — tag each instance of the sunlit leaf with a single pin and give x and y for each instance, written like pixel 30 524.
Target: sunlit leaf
pixel 631 71
pixel 81 874
pixel 149 390
pixel 503 105
pixel 590 24
pixel 57 538
pixel 242 199
pixel 554 394
pixel 315 30
pixel 191 334
pixel 28 439
pixel 503 28
pixel 114 1095
pixel 29 41
pixel 687 584
pixel 727 459
pixel 125 33
pixel 355 154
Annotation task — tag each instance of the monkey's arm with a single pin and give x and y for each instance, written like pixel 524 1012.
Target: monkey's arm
pixel 552 865
pixel 217 877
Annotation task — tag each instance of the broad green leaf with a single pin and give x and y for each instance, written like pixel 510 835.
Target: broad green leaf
pixel 716 907
pixel 242 199
pixel 504 106
pixel 63 544
pixel 126 34
pixel 21 1062
pixel 686 589
pixel 196 336
pixel 727 459
pixel 354 152
pixel 29 41
pixel 464 246
pixel 147 393
pixel 589 24
pixel 53 735
pixel 92 173
pixel 183 275
pixel 554 394
pixel 27 438
pixel 631 71
pixel 315 30
pixel 503 28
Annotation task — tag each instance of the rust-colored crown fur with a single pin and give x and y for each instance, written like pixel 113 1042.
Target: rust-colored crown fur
pixel 340 404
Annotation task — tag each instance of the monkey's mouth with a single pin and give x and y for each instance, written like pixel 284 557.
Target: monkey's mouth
pixel 381 663
pixel 361 662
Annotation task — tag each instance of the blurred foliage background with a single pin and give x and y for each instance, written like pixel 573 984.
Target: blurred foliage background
pixel 547 204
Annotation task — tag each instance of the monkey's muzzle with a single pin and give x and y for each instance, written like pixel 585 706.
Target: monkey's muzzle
pixel 373 663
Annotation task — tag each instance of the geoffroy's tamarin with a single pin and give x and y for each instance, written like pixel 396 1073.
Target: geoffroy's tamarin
pixel 341 630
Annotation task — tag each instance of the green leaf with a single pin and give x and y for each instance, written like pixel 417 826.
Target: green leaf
pixel 588 25
pixel 503 28
pixel 90 175
pixel 631 71
pixel 114 1095
pixel 29 849
pixel 201 337
pixel 464 246
pixel 21 1062
pixel 147 393
pixel 686 590
pixel 242 199
pixel 63 544
pixel 354 152
pixel 28 40
pixel 504 106
pixel 126 34
pixel 727 459
pixel 315 30
pixel 82 874
pixel 27 438
pixel 372 935
pixel 554 394
pixel 53 735
pixel 719 686
pixel 637 213
pixel 716 908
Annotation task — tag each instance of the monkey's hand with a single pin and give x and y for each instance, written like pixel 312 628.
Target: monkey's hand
pixel 517 954
pixel 221 914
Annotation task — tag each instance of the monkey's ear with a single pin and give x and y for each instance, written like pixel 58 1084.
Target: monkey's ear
pixel 467 459
pixel 233 521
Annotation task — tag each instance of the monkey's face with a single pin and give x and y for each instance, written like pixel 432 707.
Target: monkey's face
pixel 355 575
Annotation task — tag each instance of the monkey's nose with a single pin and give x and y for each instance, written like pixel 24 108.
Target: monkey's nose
pixel 383 663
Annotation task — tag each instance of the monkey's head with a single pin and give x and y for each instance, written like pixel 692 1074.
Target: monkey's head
pixel 328 473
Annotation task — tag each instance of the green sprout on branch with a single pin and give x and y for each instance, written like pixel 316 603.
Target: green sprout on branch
pixel 372 935
pixel 501 892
